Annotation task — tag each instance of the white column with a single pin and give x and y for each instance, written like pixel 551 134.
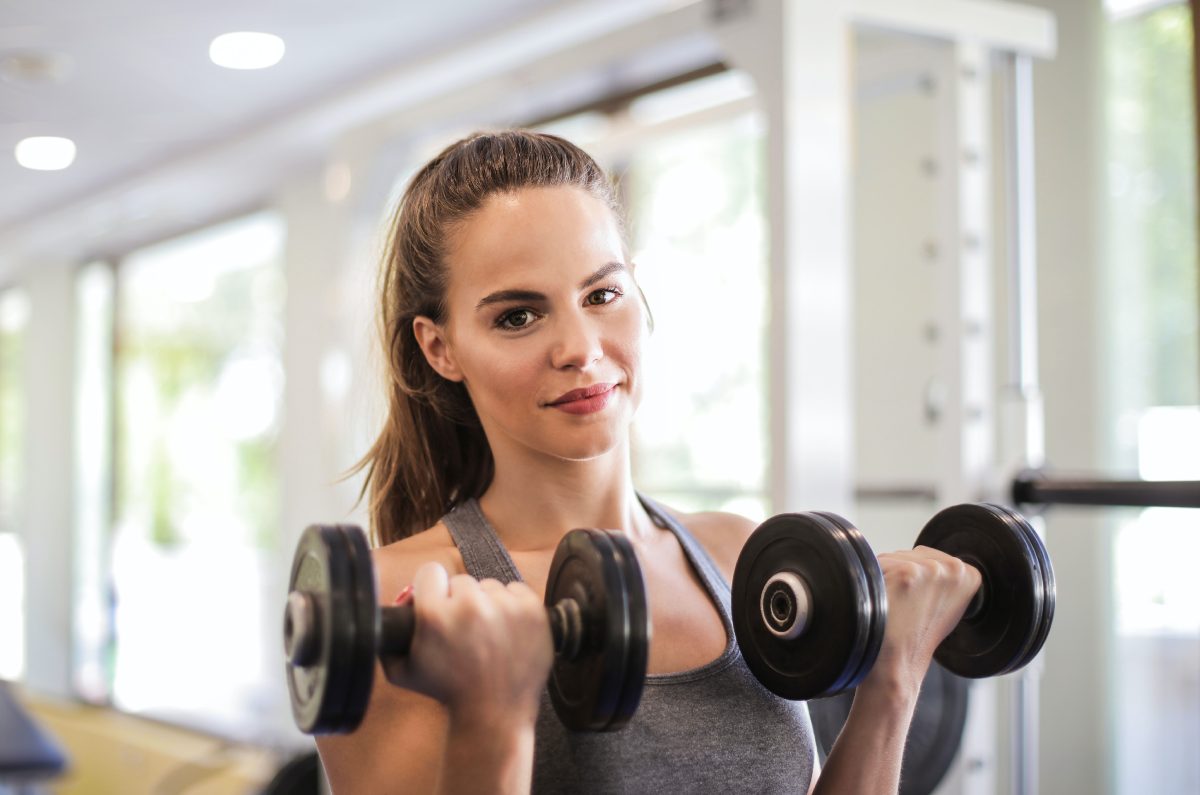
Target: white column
pixel 1076 687
pixel 309 465
pixel 968 445
pixel 799 56
pixel 45 517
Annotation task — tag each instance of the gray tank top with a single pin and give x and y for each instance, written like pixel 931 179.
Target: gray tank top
pixel 705 730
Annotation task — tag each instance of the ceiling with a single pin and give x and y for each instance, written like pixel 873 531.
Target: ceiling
pixel 137 91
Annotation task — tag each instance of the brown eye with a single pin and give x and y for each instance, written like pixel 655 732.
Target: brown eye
pixel 600 297
pixel 518 318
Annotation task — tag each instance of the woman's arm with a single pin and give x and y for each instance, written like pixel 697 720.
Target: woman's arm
pixel 458 714
pixel 928 591
pixel 409 743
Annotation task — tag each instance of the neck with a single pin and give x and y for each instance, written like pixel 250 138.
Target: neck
pixel 533 501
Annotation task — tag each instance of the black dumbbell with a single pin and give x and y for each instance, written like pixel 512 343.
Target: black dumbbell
pixel 809 605
pixel 334 630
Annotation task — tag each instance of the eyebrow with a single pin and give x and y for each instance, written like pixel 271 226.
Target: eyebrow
pixel 504 296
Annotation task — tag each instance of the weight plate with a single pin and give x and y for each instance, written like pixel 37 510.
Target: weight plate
pixel 1019 521
pixel 1018 525
pixel 587 691
pixel 877 599
pixel 332 566
pixel 827 656
pixel 638 639
pixel 366 625
pixel 999 636
pixel 933 736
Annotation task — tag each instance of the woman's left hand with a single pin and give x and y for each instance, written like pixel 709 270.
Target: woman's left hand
pixel 928 591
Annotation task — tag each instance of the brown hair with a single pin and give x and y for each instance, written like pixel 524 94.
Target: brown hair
pixel 432 453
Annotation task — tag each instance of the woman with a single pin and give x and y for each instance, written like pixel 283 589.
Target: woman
pixel 514 330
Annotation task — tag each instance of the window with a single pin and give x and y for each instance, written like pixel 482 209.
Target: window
pixel 199 382
pixel 1154 355
pixel 14 316
pixel 695 203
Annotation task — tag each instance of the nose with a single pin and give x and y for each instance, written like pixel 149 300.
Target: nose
pixel 577 343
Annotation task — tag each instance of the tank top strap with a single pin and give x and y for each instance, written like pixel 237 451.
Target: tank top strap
pixel 484 556
pixel 713 579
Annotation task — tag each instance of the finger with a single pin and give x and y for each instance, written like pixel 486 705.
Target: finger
pixel 491 584
pixel 931 552
pixel 431 584
pixel 522 590
pixel 463 584
pixel 917 554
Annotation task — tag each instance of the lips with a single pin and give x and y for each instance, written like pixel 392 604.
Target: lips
pixel 576 395
pixel 581 402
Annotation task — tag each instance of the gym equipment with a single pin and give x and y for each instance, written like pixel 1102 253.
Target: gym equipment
pixel 809 605
pixel 334 630
pixel 808 608
pixel 1009 618
pixel 1036 488
pixel 933 736
pixel 29 754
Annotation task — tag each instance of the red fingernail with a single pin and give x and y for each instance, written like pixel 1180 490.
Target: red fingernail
pixel 405 595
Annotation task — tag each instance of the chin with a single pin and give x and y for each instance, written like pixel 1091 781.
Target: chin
pixel 585 446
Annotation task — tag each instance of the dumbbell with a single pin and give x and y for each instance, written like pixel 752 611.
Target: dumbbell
pixel 809 604
pixel 335 629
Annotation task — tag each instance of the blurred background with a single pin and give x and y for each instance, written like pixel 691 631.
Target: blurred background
pixel 818 202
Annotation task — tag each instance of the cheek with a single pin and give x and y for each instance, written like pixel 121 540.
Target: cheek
pixel 629 345
pixel 501 374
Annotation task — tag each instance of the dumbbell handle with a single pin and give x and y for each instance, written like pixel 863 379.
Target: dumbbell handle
pixel 398 623
pixel 786 604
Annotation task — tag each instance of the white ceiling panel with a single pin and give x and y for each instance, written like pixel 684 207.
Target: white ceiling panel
pixel 139 90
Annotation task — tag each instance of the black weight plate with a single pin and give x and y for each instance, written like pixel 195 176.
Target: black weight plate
pixel 318 566
pixel 999 636
pixel 828 654
pixel 1051 595
pixel 586 691
pixel 367 624
pixel 1018 525
pixel 638 638
pixel 330 695
pixel 934 735
pixel 878 595
pixel 1047 570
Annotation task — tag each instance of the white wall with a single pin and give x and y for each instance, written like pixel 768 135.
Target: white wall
pixel 1076 702
pixel 44 511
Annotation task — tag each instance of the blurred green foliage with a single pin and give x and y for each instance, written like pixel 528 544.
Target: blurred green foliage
pixel 170 359
pixel 1152 158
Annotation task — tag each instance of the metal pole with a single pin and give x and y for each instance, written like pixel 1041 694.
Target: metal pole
pixel 1033 488
pixel 1023 363
pixel 1022 230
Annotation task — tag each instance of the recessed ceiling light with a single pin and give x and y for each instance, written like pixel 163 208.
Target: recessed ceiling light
pixel 45 153
pixel 245 50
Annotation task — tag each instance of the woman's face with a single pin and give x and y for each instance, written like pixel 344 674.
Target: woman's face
pixel 544 323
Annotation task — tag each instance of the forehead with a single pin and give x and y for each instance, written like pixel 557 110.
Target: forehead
pixel 532 234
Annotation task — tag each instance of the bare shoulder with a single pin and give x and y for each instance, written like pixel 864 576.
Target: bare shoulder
pixel 721 534
pixel 396 563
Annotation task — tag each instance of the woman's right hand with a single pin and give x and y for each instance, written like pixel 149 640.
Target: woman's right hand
pixel 481 648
